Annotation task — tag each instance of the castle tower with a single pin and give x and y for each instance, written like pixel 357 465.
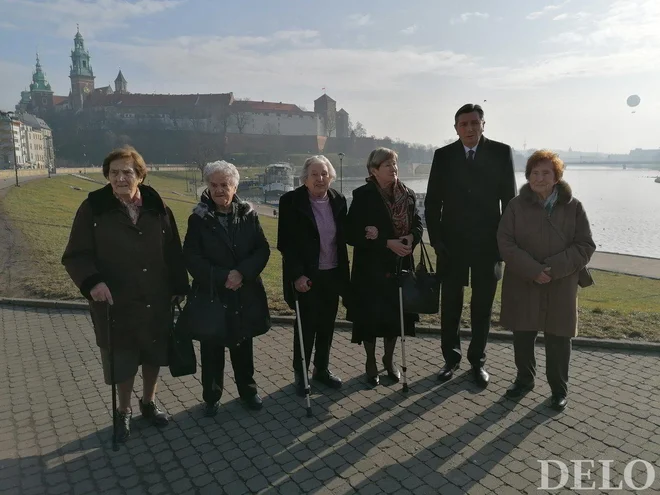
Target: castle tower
pixel 81 75
pixel 41 96
pixel 120 84
pixel 326 108
pixel 343 128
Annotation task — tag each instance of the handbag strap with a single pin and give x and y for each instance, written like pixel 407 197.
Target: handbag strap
pixel 425 254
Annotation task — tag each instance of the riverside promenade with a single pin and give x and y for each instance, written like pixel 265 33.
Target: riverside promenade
pixel 437 439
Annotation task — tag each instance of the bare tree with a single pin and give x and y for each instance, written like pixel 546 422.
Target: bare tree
pixel 330 122
pixel 242 115
pixel 359 130
pixel 270 129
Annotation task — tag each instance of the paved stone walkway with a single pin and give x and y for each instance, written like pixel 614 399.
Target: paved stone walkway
pixel 452 438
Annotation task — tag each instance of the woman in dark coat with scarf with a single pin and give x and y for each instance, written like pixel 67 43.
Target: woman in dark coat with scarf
pixel 384 227
pixel 311 238
pixel 124 254
pixel 225 250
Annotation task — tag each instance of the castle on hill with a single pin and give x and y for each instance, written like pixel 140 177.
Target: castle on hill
pixel 106 116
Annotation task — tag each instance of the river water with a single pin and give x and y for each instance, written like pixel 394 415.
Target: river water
pixel 623 205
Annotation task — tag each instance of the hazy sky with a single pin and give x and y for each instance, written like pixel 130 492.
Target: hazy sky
pixel 552 74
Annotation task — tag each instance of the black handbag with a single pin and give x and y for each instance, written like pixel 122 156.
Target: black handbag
pixel 421 288
pixel 181 354
pixel 204 316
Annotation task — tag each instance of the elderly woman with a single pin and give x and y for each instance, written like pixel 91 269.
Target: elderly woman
pixel 384 227
pixel 545 240
pixel 225 250
pixel 124 254
pixel 312 241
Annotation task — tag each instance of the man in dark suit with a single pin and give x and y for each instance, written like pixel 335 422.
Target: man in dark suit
pixel 471 183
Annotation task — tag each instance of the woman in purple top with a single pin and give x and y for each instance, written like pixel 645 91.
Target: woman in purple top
pixel 310 237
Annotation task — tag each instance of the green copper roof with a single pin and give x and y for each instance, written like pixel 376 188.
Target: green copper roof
pixel 80 65
pixel 39 82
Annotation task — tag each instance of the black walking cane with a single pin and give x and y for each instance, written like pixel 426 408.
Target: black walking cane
pixel 302 349
pixel 111 352
pixel 404 368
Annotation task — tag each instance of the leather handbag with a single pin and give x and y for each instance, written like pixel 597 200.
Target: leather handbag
pixel 420 288
pixel 204 317
pixel 181 353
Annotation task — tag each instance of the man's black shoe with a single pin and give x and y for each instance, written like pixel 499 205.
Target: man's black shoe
pixel 558 403
pixel 253 402
pixel 327 378
pixel 481 376
pixel 518 389
pixel 447 372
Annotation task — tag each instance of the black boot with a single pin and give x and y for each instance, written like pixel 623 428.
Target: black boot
pixel 123 425
pixel 371 367
pixel 388 360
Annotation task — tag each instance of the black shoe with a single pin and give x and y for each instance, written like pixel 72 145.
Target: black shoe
pixel 123 427
pixel 253 402
pixel 558 403
pixel 211 409
pixel 518 389
pixel 373 381
pixel 300 384
pixel 393 371
pixel 327 378
pixel 447 372
pixel 153 413
pixel 481 376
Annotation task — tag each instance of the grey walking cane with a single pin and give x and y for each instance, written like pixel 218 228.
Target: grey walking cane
pixel 111 352
pixel 302 350
pixel 404 368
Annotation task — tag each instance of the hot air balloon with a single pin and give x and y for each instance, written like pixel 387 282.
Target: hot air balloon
pixel 633 100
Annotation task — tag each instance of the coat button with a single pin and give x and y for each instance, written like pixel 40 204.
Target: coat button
pixel 144 269
pixel 154 341
pixel 148 305
pixel 140 233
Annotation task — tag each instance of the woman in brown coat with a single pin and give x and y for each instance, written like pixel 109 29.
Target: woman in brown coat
pixel 124 254
pixel 545 240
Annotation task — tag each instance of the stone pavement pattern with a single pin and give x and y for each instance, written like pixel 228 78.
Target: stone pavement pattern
pixel 451 438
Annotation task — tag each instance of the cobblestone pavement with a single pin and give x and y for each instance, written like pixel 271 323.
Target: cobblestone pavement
pixel 451 438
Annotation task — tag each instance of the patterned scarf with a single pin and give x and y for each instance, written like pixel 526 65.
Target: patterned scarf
pixel 396 200
pixel 550 201
pixel 132 207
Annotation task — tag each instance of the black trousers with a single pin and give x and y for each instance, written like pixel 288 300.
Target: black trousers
pixel 318 311
pixel 557 360
pixel 484 286
pixel 213 370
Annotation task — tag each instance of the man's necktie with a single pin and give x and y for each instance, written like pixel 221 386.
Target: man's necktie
pixel 471 156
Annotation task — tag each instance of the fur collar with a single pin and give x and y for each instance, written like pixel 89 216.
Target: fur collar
pixel 103 200
pixel 564 193
pixel 207 207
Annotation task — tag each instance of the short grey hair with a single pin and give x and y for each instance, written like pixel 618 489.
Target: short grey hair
pixel 223 167
pixel 379 156
pixel 317 159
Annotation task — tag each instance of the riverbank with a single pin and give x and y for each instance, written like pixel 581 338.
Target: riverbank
pixel 39 216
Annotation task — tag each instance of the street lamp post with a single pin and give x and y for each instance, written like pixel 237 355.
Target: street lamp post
pixel 341 172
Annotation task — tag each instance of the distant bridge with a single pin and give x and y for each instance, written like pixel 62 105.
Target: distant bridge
pixel 617 163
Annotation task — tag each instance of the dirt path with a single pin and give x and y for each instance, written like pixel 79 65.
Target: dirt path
pixel 15 266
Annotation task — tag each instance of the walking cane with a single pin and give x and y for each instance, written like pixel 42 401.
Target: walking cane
pixel 403 333
pixel 302 350
pixel 111 352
